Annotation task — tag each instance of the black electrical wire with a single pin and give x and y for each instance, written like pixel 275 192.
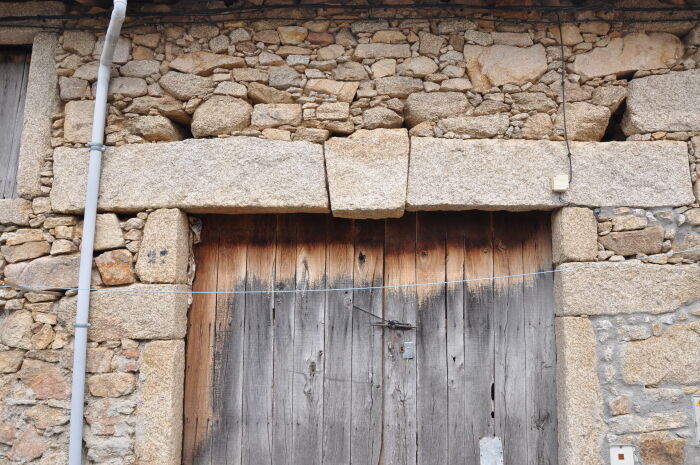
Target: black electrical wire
pixel 563 98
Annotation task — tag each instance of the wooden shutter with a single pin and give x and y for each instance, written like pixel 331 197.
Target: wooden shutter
pixel 14 70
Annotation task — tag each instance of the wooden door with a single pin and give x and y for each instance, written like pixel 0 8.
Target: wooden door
pixel 281 371
pixel 14 71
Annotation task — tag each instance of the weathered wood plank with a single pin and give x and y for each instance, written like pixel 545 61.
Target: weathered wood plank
pixel 229 343
pixel 367 347
pixel 258 342
pixel 283 360
pixel 540 345
pixel 457 421
pixel 337 378
pixel 199 357
pixel 14 72
pixel 399 440
pixel 309 341
pixel 478 331
pixel 431 341
pixel 510 359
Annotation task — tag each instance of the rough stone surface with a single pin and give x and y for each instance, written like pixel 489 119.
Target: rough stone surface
pixel 667 102
pixel 620 288
pixel 108 233
pixel 45 379
pixel 77 126
pixel 128 86
pixel 635 51
pixel 579 400
pixel 111 384
pixel 584 121
pixel 632 174
pixel 160 409
pixel 476 126
pixel 80 42
pixel 270 115
pixel 344 91
pixel 121 51
pixel 440 166
pixel 625 424
pixel 671 358
pixel 140 68
pixel 422 106
pixel 272 176
pixel 204 63
pixel 41 102
pixel 116 267
pixel 662 449
pixel 10 360
pixel 26 251
pixel 220 115
pixel 156 128
pixel 15 330
pixel 186 86
pixel 645 241
pixel 52 272
pixel 135 315
pixel 399 86
pixel 15 211
pixel 380 50
pixel 260 93
pixel 367 173
pixel 493 66
pixel 164 253
pixel 380 117
pixel 574 235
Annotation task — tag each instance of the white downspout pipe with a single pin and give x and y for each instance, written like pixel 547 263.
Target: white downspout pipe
pixel 75 447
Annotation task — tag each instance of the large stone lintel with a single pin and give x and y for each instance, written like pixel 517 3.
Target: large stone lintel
pixel 232 175
pixel 138 311
pixel 449 174
pixel 579 401
pixel 619 288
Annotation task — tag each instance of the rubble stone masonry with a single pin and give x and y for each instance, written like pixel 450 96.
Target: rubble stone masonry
pixel 364 119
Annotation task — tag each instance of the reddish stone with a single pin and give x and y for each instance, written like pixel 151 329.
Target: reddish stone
pixel 7 433
pixel 27 447
pixel 320 38
pixel 131 353
pixel 45 379
pixel 116 267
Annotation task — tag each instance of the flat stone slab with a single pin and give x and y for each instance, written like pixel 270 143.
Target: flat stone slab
pixel 665 102
pixel 449 174
pixel 138 311
pixel 621 288
pixel 232 175
pixel 15 211
pixel 630 174
pixel 367 173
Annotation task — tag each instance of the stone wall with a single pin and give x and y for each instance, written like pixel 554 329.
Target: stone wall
pixel 361 113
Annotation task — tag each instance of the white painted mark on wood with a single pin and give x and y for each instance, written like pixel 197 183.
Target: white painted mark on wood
pixel 491 451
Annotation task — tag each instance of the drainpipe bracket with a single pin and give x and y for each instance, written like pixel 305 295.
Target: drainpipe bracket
pixel 81 325
pixel 97 146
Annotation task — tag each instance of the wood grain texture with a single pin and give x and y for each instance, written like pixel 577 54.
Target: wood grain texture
pixel 400 429
pixel 283 354
pixel 367 344
pixel 199 356
pixel 304 377
pixel 14 72
pixel 309 342
pixel 431 341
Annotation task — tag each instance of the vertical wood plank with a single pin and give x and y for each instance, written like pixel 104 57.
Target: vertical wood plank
pixel 457 420
pixel 367 344
pixel 309 341
pixel 510 393
pixel 478 331
pixel 399 440
pixel 540 345
pixel 14 72
pixel 337 379
pixel 431 341
pixel 199 353
pixel 229 343
pixel 258 340
pixel 285 280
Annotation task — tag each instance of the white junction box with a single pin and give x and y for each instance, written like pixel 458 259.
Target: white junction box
pixel 621 454
pixel 560 183
pixel 491 450
pixel 696 409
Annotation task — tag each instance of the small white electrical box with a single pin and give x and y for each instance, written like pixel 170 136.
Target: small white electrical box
pixel 560 183
pixel 696 409
pixel 621 454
